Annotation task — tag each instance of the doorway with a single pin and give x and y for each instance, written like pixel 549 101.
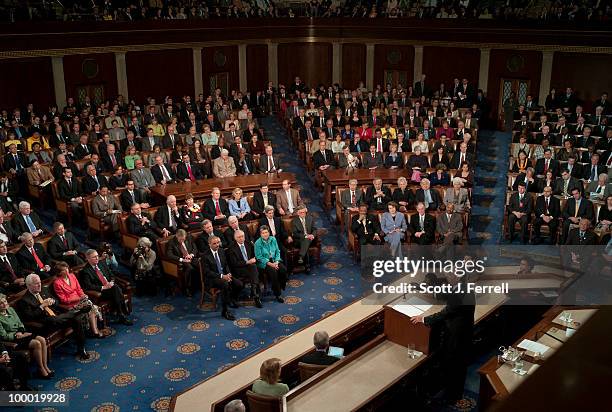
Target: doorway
pixel 396 76
pixel 94 91
pixel 221 81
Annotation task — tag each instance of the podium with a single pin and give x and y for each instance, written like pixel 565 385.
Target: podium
pixel 399 329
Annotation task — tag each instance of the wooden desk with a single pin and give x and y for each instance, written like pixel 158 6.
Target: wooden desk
pixel 203 188
pixel 340 177
pixel 497 382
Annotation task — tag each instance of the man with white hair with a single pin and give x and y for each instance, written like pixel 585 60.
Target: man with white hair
pixel 224 166
pixel 162 172
pixel 235 225
pixel 27 221
pixel 235 406
pixel 37 305
pixel 33 257
pixel 319 356
pixel 168 217
pixel 216 209
pixel 243 263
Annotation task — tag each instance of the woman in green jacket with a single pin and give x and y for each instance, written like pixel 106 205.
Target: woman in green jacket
pixel 268 258
pixel 268 383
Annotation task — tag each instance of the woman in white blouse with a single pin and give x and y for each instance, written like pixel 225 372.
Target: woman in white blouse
pixel 420 142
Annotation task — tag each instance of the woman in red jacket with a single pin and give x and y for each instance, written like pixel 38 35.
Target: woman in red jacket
pixel 69 293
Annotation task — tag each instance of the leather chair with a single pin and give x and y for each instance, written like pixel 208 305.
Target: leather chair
pixel 263 403
pixel 308 370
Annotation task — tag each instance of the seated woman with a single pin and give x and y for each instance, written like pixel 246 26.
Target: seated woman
pixel 440 157
pixel 250 132
pixel 268 383
pixel 191 214
pixel 230 120
pixel 355 120
pixel 269 260
pixel 177 154
pixel 604 219
pixel 239 206
pixel 393 224
pixel 199 156
pixel 439 177
pixel 418 164
pixel 119 179
pixel 445 130
pixel 338 144
pixel 458 195
pixel 421 143
pixel 157 150
pixel 13 330
pixel 130 157
pixel 312 110
pixel 69 293
pixel 209 138
pixel 465 172
pixel 215 151
pixel 402 195
pixel 256 146
pixel 347 133
pixel 394 160
pixel 521 164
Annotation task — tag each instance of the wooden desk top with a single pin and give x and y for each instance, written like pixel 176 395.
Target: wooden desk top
pixel 340 176
pixel 201 188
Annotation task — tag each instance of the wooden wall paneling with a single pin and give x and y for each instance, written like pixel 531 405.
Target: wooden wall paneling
pixel 160 73
pixel 443 64
pixel 222 59
pixel 353 64
pixel 257 67
pixel 391 57
pixel 90 69
pixel 312 62
pixel 26 81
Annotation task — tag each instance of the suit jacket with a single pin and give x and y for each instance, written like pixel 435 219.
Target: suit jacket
pixel 136 228
pixel 379 203
pixel 80 152
pixel 586 171
pixel 228 235
pixel 364 147
pixel 436 201
pixel 258 202
pixel 319 160
pixel 369 162
pixel 29 309
pixel 283 202
pixel 516 206
pixel 210 265
pixel 146 143
pixel 127 200
pixel 372 225
pixel 248 160
pixel 318 358
pixel 99 206
pixel 573 183
pixel 108 164
pixel 90 186
pixel 297 229
pixel 66 191
pixel 20 226
pixel 209 209
pixel 202 240
pixel 169 142
pixel 6 279
pixel 224 169
pixel 158 175
pixel 56 247
pixel 585 210
pixel 35 178
pixel 554 207
pixel 455 224
pixel 454 164
pixel 89 279
pixel 9 162
pixel 385 144
pixel 429 226
pixel 281 233
pixel 144 179
pixel 27 261
pixel 345 198
pixel 574 238
pixel 263 163
pixel 173 248
pixel 182 173
pixel 540 163
pixel 8 230
pixel 236 260
pixel 162 219
pixel 531 187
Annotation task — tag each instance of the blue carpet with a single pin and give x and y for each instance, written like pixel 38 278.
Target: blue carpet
pixel 174 345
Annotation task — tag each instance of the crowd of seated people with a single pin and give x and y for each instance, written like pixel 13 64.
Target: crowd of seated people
pixel 425 9
pixel 558 170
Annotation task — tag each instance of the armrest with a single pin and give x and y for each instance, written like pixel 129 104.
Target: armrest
pixel 10 345
pixel 123 283
pixel 93 294
pixel 32 325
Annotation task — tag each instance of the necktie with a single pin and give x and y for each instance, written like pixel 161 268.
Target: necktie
pixel 97 183
pixel 270 163
pixel 8 266
pixel 165 173
pixel 113 161
pixel 132 196
pixel 379 146
pixel 64 241
pixel 101 276
pixel 37 259
pixel 565 185
pixel 217 208
pixel 246 167
pixel 324 157
pixel 353 198
pixel 244 252
pixel 593 172
pixel 85 148
pixel 421 222
pixel 184 250
pixel 2 229
pixel 191 176
pixel 547 204
pixel 599 188
pixel 303 220
pixel 577 207
pixel 172 219
pixel 17 163
pixel 47 309
pixel 30 224
pixel 218 262
pixel 546 165
pixel 289 201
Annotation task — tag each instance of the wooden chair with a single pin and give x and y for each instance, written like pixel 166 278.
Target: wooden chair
pixel 308 370
pixel 263 403
pixel 293 249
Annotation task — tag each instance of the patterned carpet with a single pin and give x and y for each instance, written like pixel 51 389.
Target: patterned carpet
pixel 174 345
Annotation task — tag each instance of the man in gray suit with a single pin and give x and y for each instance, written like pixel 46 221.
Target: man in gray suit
pixel 303 231
pixel 149 141
pixel 450 226
pixel 373 159
pixel 143 178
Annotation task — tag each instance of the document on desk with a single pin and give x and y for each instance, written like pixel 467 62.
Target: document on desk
pixel 408 310
pixel 419 303
pixel 533 346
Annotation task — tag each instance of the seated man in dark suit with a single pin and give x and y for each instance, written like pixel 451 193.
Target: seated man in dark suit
pixel 186 171
pixel 262 199
pixel 547 212
pixel 304 232
pixel 319 356
pixel 576 209
pixel 323 159
pixel 244 163
pixel 7 232
pixel 111 159
pixel 141 224
pixel 92 182
pixel 168 217
pixel 130 196
pixel 64 246
pixel 243 263
pixel 565 184
pixel 234 225
pixel 547 163
pixel 372 159
pixel 12 275
pixel 208 230
pixel 182 250
pixel 38 306
pixel 216 208
pixel 366 227
pixel 27 221
pixel 96 276
pixel 422 226
pixel 162 173
pixel 377 196
pixel 33 257
pixel 13 365
pixel 217 275
pixel 519 210
pixel 430 197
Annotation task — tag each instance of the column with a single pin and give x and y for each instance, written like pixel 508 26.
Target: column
pixel 242 67
pixel 418 63
pixel 198 84
pixel 59 84
pixel 483 72
pixel 273 63
pixel 121 67
pixel 370 66
pixel 547 64
pixel 337 63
